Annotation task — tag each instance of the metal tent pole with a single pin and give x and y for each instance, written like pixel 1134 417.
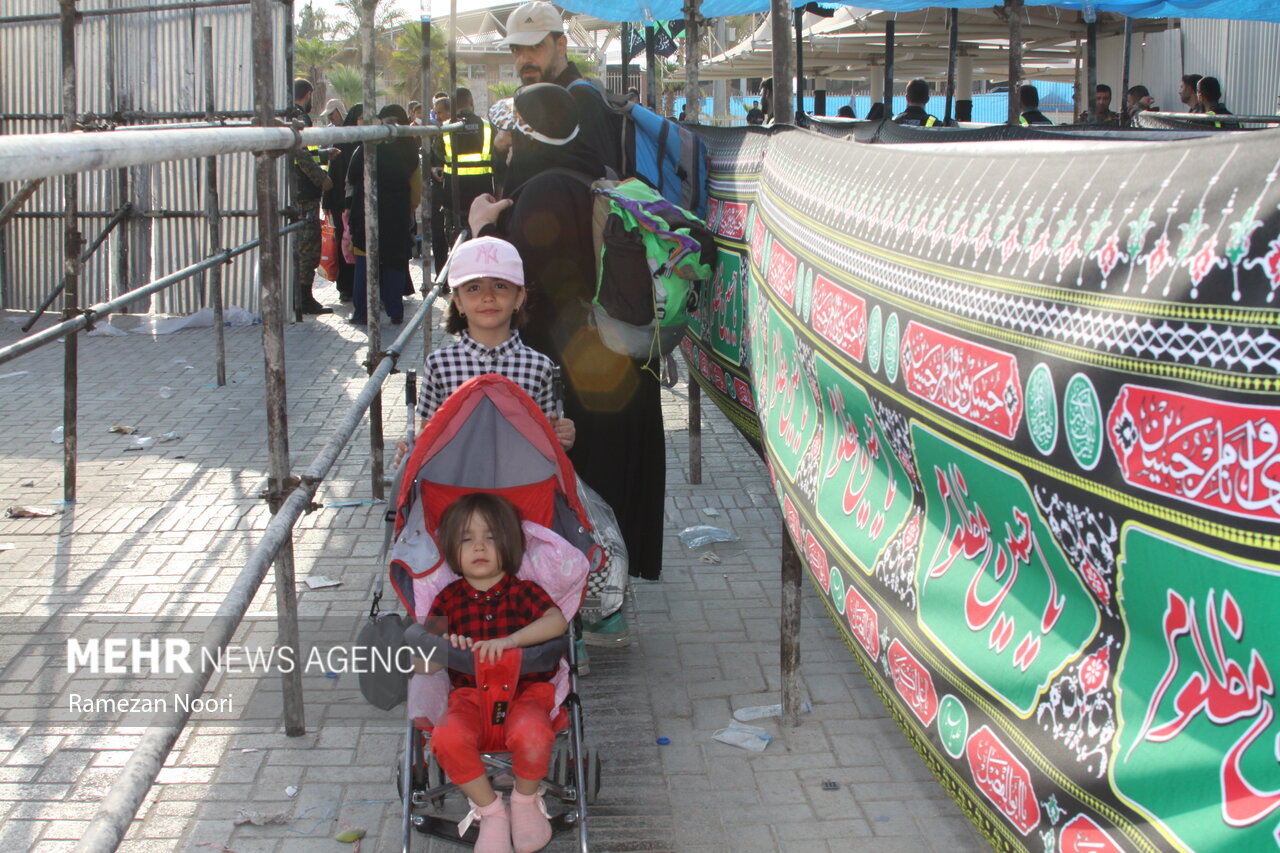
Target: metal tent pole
pixel 453 51
pixel 372 248
pixel 213 281
pixel 1091 73
pixel 1127 58
pixel 71 254
pixel 953 44
pixel 695 429
pixel 692 58
pixel 889 27
pixel 783 106
pixel 792 579
pixel 1014 8
pixel 626 56
pixel 271 300
pixel 424 207
pixel 798 15
pixel 650 76
pixel 784 112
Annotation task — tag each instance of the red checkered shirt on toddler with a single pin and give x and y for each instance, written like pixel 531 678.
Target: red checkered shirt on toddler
pixel 499 611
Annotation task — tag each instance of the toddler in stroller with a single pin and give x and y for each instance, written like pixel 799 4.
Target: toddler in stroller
pixel 488 473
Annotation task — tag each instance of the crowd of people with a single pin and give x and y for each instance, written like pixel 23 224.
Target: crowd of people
pixel 1198 95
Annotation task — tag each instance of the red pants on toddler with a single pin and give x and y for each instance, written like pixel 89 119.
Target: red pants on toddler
pixel 466 730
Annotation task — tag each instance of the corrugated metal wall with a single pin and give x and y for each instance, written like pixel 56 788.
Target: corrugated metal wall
pixel 1243 55
pixel 144 61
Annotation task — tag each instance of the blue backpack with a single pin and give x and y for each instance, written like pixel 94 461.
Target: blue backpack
pixel 666 155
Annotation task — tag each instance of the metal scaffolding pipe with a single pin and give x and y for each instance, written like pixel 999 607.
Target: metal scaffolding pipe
pixel 128 10
pixel 13 205
pixel 47 155
pixel 94 313
pixel 372 245
pixel 116 219
pixel 213 281
pixel 71 254
pixel 271 298
pixel 126 794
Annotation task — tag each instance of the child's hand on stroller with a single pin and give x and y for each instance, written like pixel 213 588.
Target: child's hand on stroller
pixel 402 447
pixel 565 431
pixel 491 650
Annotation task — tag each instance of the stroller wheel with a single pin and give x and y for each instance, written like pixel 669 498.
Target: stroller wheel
pixel 560 769
pixel 593 776
pixel 588 787
pixel 418 771
pixel 670 371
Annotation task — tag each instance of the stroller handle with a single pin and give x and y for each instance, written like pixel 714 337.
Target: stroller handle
pixel 540 658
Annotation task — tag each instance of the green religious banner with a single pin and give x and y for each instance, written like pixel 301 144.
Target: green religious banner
pixel 1021 409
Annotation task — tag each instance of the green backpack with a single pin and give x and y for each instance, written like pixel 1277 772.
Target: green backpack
pixel 650 256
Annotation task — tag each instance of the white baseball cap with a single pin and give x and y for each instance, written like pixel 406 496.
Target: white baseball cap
pixel 485 257
pixel 531 23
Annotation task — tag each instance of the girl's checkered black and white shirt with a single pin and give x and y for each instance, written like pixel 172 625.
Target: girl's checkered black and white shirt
pixel 446 369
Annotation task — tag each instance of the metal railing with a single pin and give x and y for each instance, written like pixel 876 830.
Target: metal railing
pixel 34 158
pixel 130 788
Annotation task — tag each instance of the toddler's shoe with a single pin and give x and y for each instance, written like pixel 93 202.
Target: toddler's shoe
pixel 495 827
pixel 530 826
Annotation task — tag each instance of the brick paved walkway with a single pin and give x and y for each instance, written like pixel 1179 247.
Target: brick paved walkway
pixel 158 535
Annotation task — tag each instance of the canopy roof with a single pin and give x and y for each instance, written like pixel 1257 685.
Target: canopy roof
pixel 664 10
pixel 850 44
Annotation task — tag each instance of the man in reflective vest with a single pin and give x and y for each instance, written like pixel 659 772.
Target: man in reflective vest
pixel 915 113
pixel 1209 91
pixel 466 158
pixel 1029 99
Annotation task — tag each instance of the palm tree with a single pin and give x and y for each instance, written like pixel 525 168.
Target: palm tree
pixel 312 57
pixel 502 90
pixel 313 23
pixel 347 83
pixel 387 18
pixel 403 67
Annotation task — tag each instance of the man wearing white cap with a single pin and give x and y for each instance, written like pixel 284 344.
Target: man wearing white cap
pixel 535 35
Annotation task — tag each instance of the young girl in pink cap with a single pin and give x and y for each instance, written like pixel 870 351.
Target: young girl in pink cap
pixel 487 296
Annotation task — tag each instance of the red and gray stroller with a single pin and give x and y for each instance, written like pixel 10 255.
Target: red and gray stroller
pixel 490 436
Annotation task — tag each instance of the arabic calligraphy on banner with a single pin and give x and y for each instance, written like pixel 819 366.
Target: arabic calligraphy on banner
pixel 995 591
pixel 1217 455
pixel 1198 729
pixel 1025 435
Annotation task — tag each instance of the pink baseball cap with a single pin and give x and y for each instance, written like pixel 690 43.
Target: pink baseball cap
pixel 485 257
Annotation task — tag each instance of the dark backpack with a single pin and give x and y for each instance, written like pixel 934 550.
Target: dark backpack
pixel 665 155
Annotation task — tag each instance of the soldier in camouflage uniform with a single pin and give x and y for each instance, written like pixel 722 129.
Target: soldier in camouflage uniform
pixel 312 181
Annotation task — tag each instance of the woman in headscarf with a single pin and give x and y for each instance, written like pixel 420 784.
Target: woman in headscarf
pixel 335 199
pixel 615 400
pixel 399 189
